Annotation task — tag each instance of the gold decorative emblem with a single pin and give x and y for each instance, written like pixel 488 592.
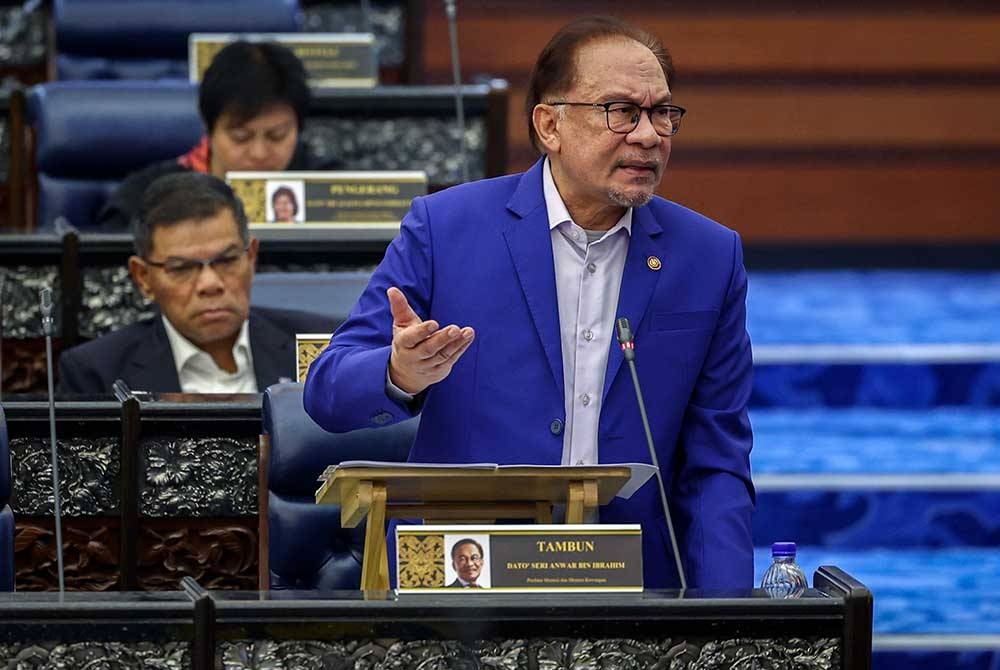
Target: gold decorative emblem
pixel 421 561
pixel 251 193
pixel 306 351
pixel 654 263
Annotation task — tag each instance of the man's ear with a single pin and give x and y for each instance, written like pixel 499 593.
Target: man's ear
pixel 140 275
pixel 545 118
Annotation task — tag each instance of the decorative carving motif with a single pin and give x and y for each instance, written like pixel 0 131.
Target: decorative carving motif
pixel 88 472
pixel 386 19
pixel 251 194
pixel 104 655
pixel 400 143
pixel 306 351
pixel 19 309
pixel 221 557
pixel 24 365
pixel 90 558
pixel 561 654
pixel 421 561
pixel 110 300
pixel 212 476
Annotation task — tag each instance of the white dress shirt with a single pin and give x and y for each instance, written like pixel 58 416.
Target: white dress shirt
pixel 588 268
pixel 198 373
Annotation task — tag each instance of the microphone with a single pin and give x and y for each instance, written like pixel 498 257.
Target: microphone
pixel 46 305
pixel 450 11
pixel 625 338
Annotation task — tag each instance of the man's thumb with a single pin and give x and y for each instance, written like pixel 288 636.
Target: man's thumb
pixel 402 313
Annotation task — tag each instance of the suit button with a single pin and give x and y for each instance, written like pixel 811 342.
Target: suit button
pixel 556 427
pixel 381 418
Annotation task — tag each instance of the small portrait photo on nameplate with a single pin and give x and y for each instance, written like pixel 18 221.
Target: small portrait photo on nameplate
pixel 308 347
pixel 331 60
pixel 519 558
pixel 285 201
pixel 347 200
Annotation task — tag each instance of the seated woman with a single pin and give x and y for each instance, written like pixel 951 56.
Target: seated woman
pixel 253 100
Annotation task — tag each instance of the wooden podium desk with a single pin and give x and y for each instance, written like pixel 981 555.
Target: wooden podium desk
pixel 461 494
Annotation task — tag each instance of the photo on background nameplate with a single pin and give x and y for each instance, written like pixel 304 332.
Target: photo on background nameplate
pixel 286 201
pixel 466 560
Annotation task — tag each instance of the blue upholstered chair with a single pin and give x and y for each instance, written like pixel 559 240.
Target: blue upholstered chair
pixel 6 515
pixel 302 543
pixel 90 135
pixel 148 39
pixel 332 294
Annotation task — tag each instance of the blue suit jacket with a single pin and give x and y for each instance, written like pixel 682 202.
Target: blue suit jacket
pixel 480 254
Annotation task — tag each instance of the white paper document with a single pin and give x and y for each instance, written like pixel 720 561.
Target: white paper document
pixel 641 472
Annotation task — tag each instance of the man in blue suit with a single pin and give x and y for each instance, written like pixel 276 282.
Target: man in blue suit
pixel 493 313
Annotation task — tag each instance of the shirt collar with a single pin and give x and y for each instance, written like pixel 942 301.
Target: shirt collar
pixel 556 208
pixel 184 350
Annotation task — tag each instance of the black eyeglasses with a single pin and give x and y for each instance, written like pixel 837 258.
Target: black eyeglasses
pixel 182 269
pixel 623 117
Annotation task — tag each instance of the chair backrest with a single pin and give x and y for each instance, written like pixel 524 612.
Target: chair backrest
pixel 148 39
pixel 90 135
pixel 6 515
pixel 331 294
pixel 306 546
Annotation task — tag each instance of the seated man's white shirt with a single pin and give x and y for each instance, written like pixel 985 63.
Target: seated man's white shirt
pixel 198 373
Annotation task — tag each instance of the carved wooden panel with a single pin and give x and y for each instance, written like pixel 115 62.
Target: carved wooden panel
pixel 24 365
pixel 90 554
pixel 219 554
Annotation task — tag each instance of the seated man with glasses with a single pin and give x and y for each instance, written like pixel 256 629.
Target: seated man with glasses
pixel 493 314
pixel 195 259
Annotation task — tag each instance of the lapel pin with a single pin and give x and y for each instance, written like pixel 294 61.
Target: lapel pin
pixel 654 263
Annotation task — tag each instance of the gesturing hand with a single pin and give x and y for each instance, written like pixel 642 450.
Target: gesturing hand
pixel 422 352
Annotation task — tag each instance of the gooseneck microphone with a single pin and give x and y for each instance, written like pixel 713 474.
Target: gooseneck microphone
pixel 624 333
pixel 46 305
pixel 456 70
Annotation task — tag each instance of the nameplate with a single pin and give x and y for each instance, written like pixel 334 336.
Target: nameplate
pixel 308 347
pixel 525 558
pixel 357 200
pixel 331 60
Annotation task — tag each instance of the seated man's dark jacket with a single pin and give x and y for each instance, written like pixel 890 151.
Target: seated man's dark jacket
pixel 116 215
pixel 140 354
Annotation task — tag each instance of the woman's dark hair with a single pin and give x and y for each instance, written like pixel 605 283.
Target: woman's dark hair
pixel 183 196
pixel 555 69
pixel 288 193
pixel 245 78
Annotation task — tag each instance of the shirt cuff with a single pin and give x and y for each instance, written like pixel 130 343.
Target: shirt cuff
pixel 395 393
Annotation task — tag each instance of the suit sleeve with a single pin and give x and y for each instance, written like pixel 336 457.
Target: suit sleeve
pixel 345 387
pixel 713 492
pixel 75 376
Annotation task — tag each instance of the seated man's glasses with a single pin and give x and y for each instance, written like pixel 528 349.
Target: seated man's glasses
pixel 623 117
pixel 180 269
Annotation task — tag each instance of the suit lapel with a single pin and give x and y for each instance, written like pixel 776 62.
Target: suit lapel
pixel 529 242
pixel 638 282
pixel 152 368
pixel 273 354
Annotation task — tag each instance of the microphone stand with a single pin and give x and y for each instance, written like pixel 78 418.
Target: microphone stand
pixel 46 304
pixel 3 283
pixel 451 12
pixel 627 342
pixel 366 10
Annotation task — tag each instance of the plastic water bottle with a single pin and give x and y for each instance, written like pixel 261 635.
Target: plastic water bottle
pixel 784 579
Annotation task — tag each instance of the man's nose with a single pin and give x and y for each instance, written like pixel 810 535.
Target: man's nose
pixel 644 133
pixel 209 281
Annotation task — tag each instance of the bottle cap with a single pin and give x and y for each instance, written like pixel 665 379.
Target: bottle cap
pixel 783 549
